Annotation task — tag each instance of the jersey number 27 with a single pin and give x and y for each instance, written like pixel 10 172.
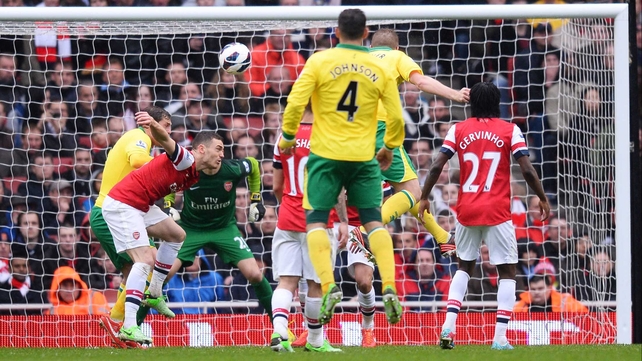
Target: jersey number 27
pixel 494 158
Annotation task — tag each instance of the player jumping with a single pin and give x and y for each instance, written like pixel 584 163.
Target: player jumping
pixel 131 215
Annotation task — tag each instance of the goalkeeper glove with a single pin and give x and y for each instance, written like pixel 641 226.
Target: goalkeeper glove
pixel 173 212
pixel 257 209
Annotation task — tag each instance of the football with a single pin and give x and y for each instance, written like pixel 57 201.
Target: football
pixel 235 58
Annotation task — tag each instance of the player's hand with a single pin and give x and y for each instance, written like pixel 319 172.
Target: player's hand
pixel 384 157
pixel 257 209
pixel 343 235
pixel 424 206
pixel 175 214
pixel 286 146
pixel 544 209
pixel 143 119
pixel 463 96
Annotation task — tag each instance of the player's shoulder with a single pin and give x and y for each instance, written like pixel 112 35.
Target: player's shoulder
pixel 136 137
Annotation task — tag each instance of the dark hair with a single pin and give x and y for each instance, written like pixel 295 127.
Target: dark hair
pixel 525 245
pixel 385 37
pixel 484 100
pixel 352 23
pixel 158 113
pixel 205 137
pixel 539 278
pixel 19 250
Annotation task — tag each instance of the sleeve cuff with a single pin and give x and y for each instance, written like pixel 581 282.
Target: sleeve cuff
pixel 387 147
pixel 288 137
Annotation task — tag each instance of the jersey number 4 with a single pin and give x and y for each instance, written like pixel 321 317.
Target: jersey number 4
pixel 494 158
pixel 348 101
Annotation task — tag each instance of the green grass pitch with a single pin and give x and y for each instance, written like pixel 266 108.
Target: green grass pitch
pixel 387 353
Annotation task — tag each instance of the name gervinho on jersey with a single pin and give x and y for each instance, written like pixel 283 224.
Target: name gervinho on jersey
pixel 481 135
pixel 354 68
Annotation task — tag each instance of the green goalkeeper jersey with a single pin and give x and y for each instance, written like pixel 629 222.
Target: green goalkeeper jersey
pixel 211 203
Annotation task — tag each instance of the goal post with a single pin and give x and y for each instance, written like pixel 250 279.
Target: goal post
pixel 192 20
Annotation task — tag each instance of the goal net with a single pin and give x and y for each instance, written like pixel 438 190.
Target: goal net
pixel 71 81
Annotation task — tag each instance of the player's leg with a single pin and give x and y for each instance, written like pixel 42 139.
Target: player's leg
pixel 501 239
pixel 111 323
pixel 303 294
pixel 324 180
pixel 161 226
pixel 363 275
pixel 126 225
pixel 468 242
pixel 315 341
pixel 365 182
pixel 287 268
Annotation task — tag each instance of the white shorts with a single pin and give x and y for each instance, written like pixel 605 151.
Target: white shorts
pixel 500 239
pixel 128 225
pixel 353 258
pixel 290 255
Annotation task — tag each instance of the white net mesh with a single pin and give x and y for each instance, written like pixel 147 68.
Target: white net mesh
pixel 74 91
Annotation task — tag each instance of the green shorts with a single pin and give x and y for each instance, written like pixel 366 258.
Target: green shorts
pixel 325 177
pixel 100 229
pixel 401 170
pixel 227 242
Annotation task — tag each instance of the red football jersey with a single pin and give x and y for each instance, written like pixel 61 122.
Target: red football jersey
pixel 484 147
pixel 156 179
pixel 291 212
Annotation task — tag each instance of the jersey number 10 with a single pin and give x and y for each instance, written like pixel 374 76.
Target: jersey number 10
pixel 296 178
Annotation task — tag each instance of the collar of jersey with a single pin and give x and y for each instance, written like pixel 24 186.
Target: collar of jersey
pixel 380 48
pixel 353 47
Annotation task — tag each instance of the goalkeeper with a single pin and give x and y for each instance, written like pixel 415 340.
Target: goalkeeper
pixel 401 174
pixel 208 218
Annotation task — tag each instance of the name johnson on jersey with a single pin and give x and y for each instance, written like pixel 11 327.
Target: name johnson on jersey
pixel 354 68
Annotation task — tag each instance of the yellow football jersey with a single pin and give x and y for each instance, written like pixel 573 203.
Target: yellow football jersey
pixel 345 85
pixel 130 152
pixel 401 66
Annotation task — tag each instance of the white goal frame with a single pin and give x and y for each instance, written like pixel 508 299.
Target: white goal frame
pixel 273 17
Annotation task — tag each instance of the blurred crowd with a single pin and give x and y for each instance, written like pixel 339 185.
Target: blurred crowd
pixel 65 100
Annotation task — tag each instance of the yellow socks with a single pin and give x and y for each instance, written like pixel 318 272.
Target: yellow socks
pixel 396 205
pixel 381 247
pixel 441 236
pixel 117 312
pixel 320 255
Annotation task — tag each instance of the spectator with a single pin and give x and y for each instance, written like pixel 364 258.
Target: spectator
pixel 201 55
pixel 190 92
pixel 200 116
pixel 279 83
pixel 181 136
pixel 415 114
pixel 80 174
pixel 421 155
pixel 5 215
pixel 15 161
pixel 529 224
pixel 197 283
pixel 442 125
pixel 275 51
pixel 483 284
pixel 173 81
pixel 313 40
pixel 59 140
pixel 30 235
pixel 66 252
pixel 449 194
pixel 438 110
pixel 267 181
pixel 112 91
pixel 105 268
pixel 69 295
pixel 579 253
pixel 62 82
pixel 115 129
pixel 95 182
pixel 598 283
pixel 16 287
pixel 542 297
pixel 245 147
pixel 60 207
pixel 530 256
pixel 87 108
pixel 6 131
pixel 556 245
pixel 99 142
pixel 230 93
pixel 405 255
pixel 10 93
pixel 428 284
pixel 138 99
pixel 41 174
pixel 272 118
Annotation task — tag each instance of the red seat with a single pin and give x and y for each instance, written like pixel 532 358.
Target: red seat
pixel 84 141
pixel 12 183
pixel 63 164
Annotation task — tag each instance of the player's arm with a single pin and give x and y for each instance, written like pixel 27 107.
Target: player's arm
pixel 342 212
pixel 433 175
pixel 250 167
pixel 433 86
pixel 158 132
pixel 277 177
pixel 532 179
pixel 297 100
pixel 137 153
